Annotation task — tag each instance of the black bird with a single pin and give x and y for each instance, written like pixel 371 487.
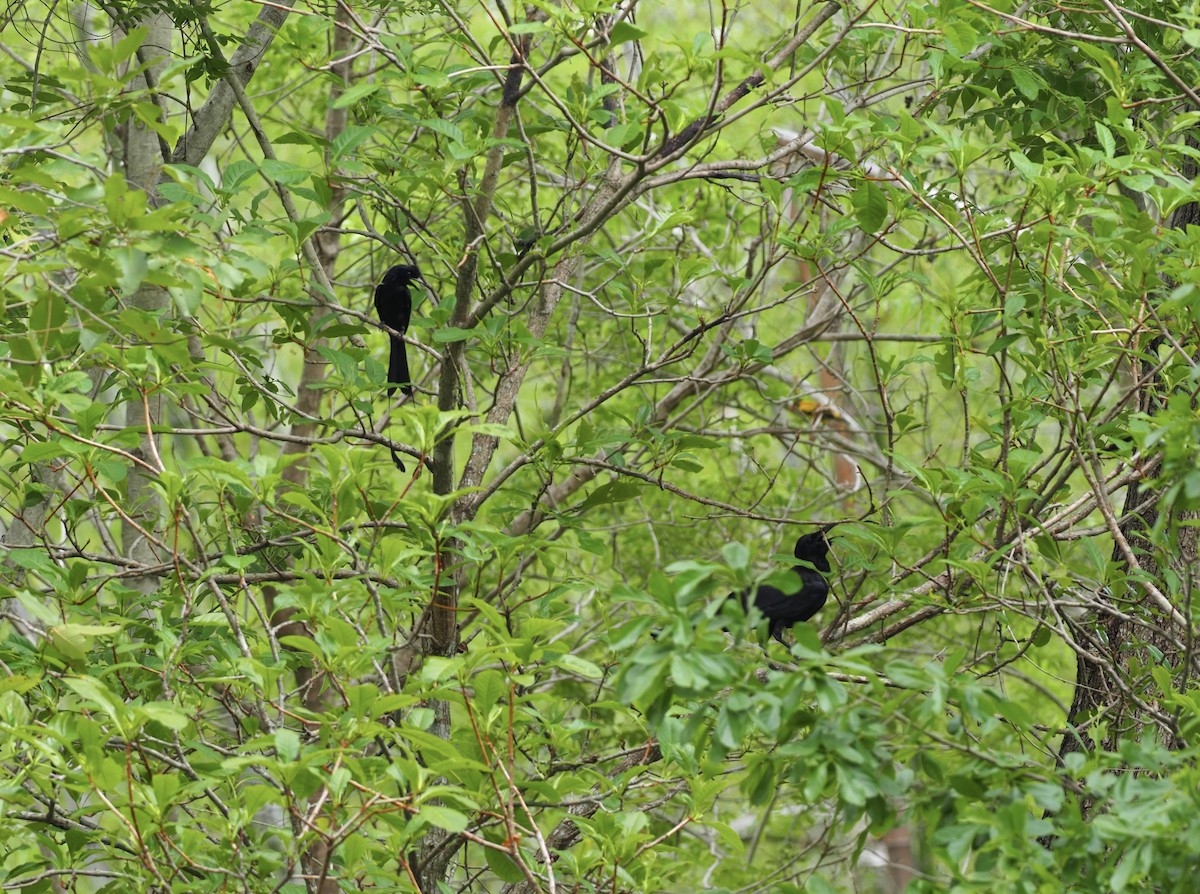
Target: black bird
pixel 393 303
pixel 786 608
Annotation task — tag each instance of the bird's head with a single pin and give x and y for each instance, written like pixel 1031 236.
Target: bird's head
pixel 814 548
pixel 404 273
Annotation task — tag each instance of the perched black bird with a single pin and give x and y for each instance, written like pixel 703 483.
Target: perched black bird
pixel 785 608
pixel 394 306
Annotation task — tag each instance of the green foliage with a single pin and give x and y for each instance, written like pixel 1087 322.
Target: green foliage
pixel 681 294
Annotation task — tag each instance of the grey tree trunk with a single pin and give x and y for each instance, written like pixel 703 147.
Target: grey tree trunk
pixel 143 161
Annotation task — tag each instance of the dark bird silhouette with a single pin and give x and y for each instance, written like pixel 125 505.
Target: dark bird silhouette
pixel 784 608
pixel 393 303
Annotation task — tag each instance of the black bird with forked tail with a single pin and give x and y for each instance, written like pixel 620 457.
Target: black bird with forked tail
pixel 393 303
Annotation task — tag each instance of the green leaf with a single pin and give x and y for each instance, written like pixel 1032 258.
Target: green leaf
pixel 529 28
pixel 46 320
pixel 504 866
pixel 1026 82
pixel 731 727
pixel 237 173
pixel 623 32
pixel 445 128
pixel 283 172
pixel 18 683
pixel 444 818
pixel 611 492
pixel 28 359
pixel 961 37
pixel 129 44
pixel 736 555
pixel 450 334
pixel 1138 182
pixel 581 666
pixel 1002 342
pixel 166 714
pixel 361 90
pixel 350 139
pixel 870 206
pixel 287 744
pixel 94 693
pixel 639 680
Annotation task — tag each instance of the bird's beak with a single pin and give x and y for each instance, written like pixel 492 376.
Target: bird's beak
pixel 825 529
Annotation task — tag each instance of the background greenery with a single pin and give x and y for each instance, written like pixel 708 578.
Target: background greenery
pixel 697 277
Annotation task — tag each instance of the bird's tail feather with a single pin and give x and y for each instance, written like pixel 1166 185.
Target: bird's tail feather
pixel 398 373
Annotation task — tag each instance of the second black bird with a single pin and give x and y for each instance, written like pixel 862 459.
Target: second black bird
pixel 394 306
pixel 784 608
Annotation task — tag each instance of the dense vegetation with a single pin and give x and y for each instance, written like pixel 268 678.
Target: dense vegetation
pixel 696 279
